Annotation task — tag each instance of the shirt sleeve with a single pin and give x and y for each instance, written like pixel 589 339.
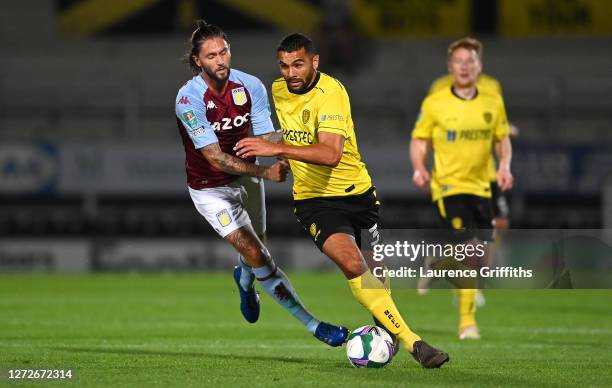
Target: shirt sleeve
pixel 425 122
pixel 502 128
pixel 491 83
pixel 497 86
pixel 260 109
pixel 191 112
pixel 333 114
pixel 440 83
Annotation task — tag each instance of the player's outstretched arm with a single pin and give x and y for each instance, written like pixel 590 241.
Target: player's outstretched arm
pixel 418 158
pixel 503 149
pixel 327 152
pixel 233 165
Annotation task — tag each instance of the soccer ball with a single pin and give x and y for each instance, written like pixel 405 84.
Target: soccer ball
pixel 369 347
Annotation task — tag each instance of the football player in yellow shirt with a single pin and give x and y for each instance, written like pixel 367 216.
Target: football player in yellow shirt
pixel 461 124
pixel 334 197
pixel 501 209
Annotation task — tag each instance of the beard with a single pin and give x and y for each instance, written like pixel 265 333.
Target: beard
pixel 305 82
pixel 213 74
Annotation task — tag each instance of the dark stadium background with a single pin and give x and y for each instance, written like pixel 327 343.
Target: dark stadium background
pixel 91 165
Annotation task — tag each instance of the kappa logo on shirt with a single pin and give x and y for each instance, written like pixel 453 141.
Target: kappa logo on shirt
pixel 184 101
pixel 210 105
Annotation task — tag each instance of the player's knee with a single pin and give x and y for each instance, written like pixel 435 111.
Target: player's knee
pixel 501 223
pixel 258 255
pixel 353 265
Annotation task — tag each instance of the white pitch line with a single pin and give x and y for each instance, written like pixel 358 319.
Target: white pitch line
pixel 552 330
pixel 165 346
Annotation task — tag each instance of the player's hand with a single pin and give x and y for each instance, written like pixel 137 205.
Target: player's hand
pixel 504 179
pixel 514 132
pixel 420 178
pixel 278 171
pixel 254 146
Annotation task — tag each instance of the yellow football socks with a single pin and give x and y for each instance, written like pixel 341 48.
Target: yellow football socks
pixel 373 295
pixel 467 307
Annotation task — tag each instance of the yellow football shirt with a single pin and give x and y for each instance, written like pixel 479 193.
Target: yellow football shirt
pixel 462 133
pixel 484 82
pixel 325 106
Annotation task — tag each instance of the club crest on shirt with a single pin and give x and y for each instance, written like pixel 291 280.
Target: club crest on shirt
pixel 487 117
pixel 239 96
pixel 305 116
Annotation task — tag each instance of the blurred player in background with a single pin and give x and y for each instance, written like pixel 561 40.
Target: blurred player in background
pixel 461 123
pixel 333 192
pixel 501 209
pixel 215 109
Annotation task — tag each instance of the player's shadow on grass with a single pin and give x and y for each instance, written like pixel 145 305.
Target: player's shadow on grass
pixel 146 352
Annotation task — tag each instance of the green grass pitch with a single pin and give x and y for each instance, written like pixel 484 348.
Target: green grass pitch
pixel 186 330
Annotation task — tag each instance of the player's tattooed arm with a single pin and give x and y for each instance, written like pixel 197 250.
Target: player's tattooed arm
pixel 233 165
pixel 273 137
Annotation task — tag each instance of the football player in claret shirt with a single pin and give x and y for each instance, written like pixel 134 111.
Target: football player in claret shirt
pixel 462 123
pixel 215 109
pixel 334 197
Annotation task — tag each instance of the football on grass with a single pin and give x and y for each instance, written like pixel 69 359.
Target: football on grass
pixel 369 347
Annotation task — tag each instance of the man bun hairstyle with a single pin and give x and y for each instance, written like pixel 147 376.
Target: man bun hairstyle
pixel 294 42
pixel 203 32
